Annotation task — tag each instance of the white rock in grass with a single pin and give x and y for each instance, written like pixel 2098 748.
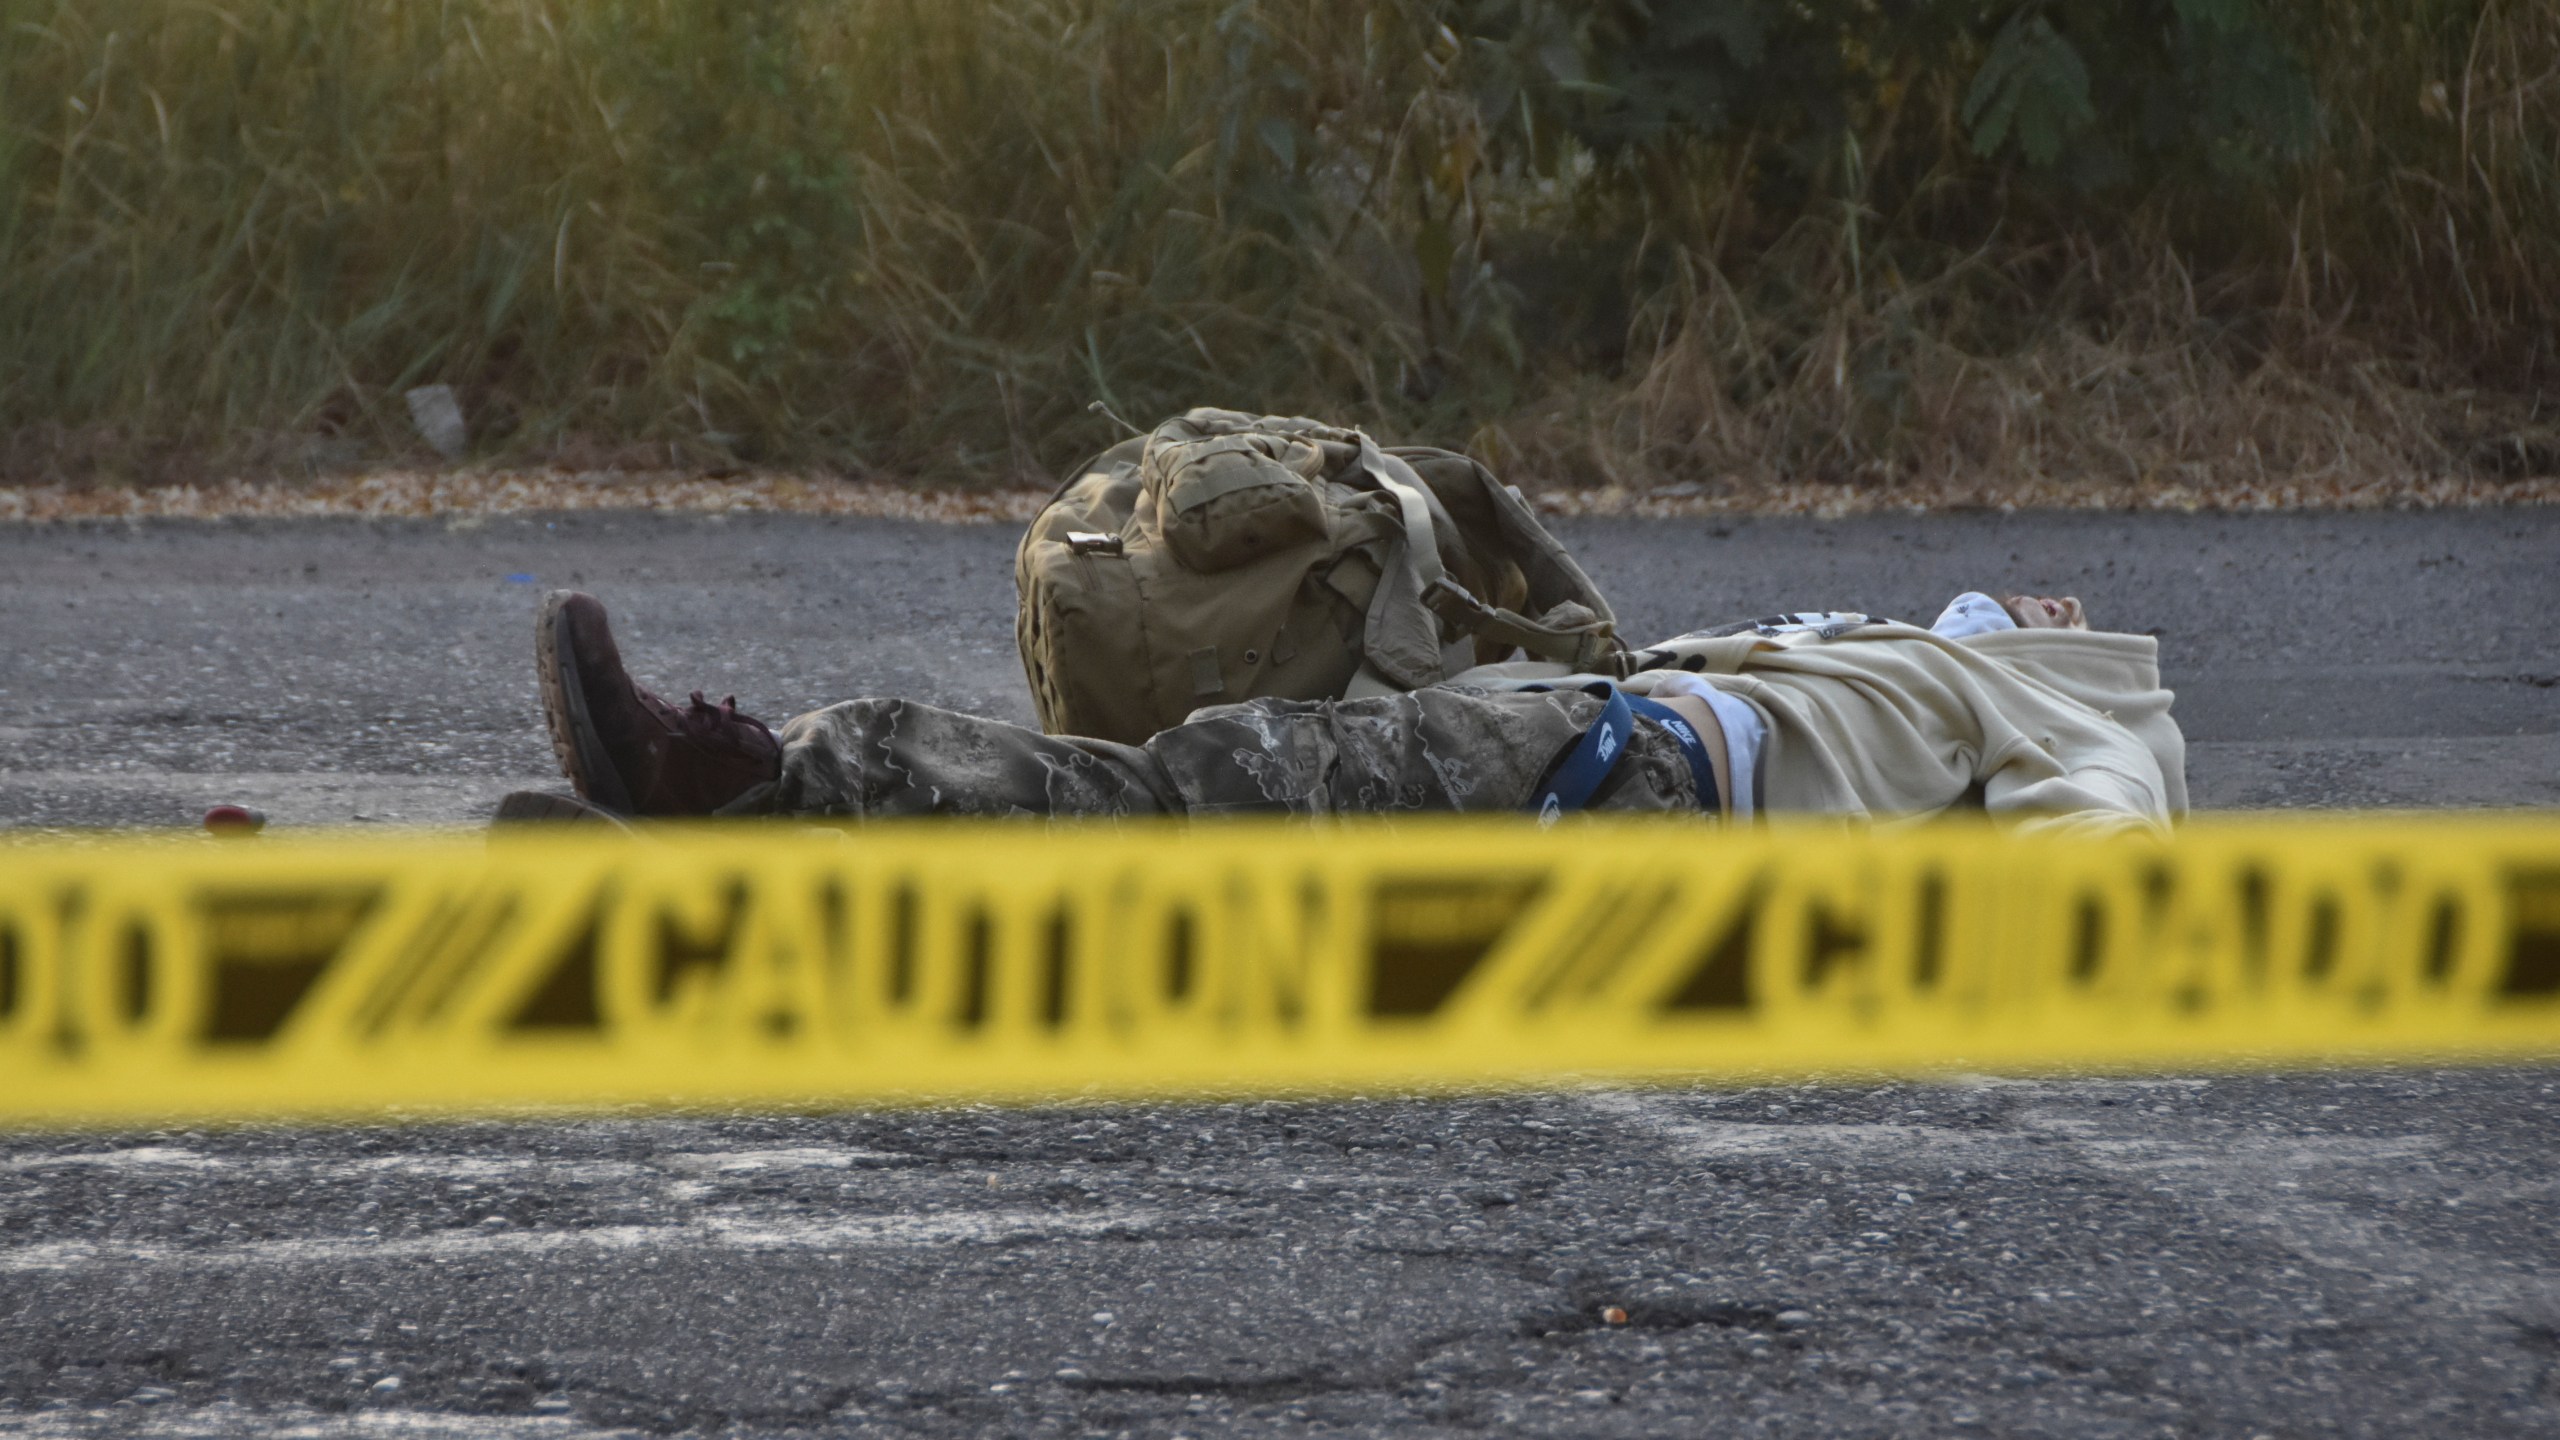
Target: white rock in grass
pixel 438 415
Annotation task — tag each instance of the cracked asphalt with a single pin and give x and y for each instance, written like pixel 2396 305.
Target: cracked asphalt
pixel 2351 1255
pixel 2362 1253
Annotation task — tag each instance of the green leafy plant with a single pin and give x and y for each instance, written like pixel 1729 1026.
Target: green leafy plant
pixel 2032 89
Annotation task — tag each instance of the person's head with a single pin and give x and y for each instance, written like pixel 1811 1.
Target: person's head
pixel 2037 612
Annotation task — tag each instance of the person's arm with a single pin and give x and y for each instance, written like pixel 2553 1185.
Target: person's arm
pixel 2090 800
pixel 2063 768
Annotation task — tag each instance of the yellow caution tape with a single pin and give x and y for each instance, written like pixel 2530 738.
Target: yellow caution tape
pixel 707 965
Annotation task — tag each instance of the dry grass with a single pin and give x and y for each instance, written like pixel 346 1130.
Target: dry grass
pixel 2159 398
pixel 457 495
pixel 909 240
pixel 418 494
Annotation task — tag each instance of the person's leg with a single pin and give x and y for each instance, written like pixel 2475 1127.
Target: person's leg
pixel 1446 748
pixel 899 757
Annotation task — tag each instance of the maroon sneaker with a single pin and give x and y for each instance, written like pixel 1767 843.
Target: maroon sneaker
pixel 624 748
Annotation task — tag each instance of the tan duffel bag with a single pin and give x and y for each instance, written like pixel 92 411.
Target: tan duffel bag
pixel 1227 557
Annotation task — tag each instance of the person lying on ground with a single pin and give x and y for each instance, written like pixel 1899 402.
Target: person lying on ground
pixel 2015 707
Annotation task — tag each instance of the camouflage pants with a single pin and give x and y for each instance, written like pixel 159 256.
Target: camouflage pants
pixel 1446 748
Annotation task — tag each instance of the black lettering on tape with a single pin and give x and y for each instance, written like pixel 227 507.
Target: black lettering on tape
pixel 1427 935
pixel 195 981
pixel 2533 937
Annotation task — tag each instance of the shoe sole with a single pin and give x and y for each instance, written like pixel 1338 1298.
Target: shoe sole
pixel 574 741
pixel 542 807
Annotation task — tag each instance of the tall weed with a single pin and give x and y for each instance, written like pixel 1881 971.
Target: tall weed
pixel 1713 240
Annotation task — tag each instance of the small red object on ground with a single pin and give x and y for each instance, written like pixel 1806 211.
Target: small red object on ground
pixel 234 820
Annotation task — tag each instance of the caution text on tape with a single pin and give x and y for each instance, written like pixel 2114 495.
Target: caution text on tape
pixel 767 964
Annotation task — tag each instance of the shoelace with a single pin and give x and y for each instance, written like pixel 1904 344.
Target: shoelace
pixel 716 726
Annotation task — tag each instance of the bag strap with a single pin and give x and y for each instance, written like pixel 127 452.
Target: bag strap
pixel 1397 479
pixel 1585 645
pixel 1421 549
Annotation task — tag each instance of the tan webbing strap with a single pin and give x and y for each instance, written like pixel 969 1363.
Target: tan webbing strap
pixel 1585 646
pixel 1422 566
pixel 1588 646
pixel 1420 540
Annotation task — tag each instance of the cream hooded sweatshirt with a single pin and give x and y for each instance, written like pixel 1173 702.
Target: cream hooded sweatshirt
pixel 2059 729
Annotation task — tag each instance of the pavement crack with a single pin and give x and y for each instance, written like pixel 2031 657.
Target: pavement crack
pixel 1250 1389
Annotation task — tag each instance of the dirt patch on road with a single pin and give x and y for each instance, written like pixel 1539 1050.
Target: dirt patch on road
pixel 417 493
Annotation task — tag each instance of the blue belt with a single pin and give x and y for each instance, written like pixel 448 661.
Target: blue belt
pixel 1596 754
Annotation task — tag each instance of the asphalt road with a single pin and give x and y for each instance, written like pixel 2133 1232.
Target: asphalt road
pixel 337 672
pixel 2358 1254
